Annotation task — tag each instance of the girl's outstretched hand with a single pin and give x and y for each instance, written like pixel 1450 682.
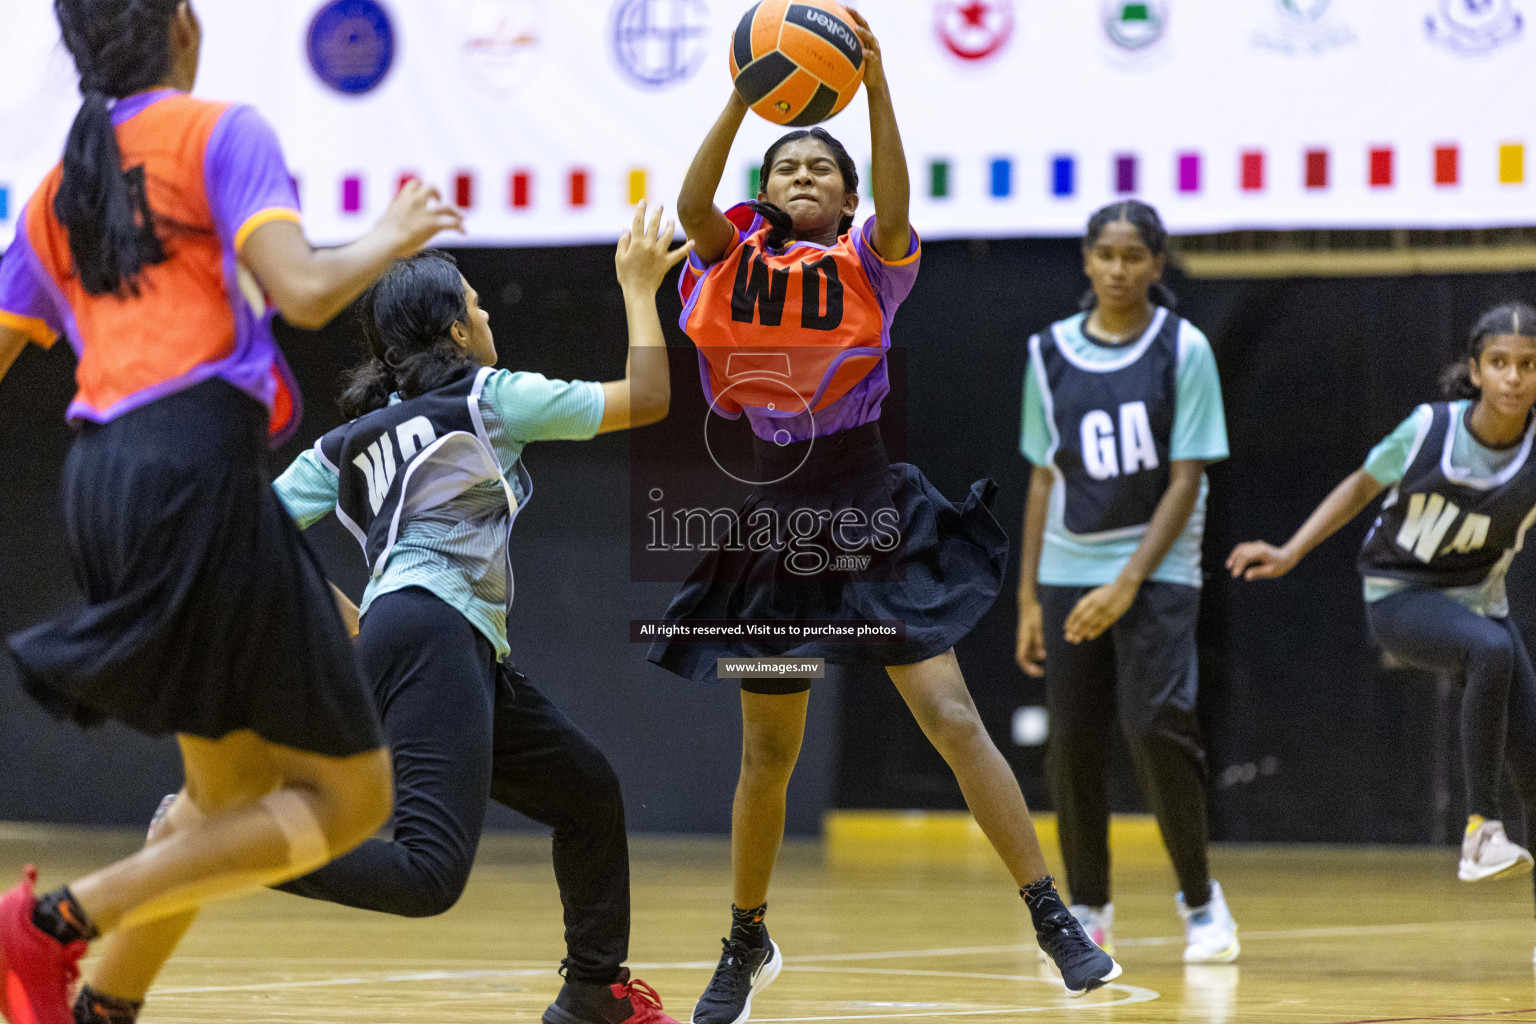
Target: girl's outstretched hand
pixel 644 255
pixel 417 215
pixel 1257 560
pixel 874 66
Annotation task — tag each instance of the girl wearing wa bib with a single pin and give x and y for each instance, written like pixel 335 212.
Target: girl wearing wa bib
pixel 1460 477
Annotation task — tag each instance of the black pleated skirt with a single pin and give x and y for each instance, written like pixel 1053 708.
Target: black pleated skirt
pixel 943 572
pixel 206 612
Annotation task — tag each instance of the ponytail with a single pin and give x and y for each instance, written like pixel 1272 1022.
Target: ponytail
pixel 1515 318
pixel 406 320
pixel 119 48
pixel 105 212
pixel 368 388
pixel 780 224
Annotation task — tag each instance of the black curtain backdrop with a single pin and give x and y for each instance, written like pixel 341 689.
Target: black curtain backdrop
pixel 1311 738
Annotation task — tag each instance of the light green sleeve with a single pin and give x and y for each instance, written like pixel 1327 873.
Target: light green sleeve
pixel 1389 460
pixel 532 407
pixel 1200 420
pixel 307 489
pixel 1034 428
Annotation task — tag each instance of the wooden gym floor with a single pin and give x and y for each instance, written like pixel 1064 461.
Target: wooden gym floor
pixel 887 920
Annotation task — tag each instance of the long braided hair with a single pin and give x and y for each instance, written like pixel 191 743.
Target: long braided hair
pixel 120 48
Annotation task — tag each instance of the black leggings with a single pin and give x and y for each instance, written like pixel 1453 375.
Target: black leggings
pixel 462 727
pixel 1142 671
pixel 1429 630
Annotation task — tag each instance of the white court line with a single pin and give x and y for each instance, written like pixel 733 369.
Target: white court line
pixel 1131 993
pixel 385 979
pixel 1341 931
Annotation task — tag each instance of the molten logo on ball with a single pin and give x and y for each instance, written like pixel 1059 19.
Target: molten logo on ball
pixel 796 62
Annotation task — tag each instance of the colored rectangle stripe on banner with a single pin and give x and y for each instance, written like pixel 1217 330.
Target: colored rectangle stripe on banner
pixel 5 203
pixel 405 178
pixel 1252 170
pixel 754 182
pixel 1381 167
pixel 578 189
pixel 1512 164
pixel 1002 178
pixel 938 179
pixel 1317 168
pixel 351 194
pixel 1063 176
pixel 1125 173
pixel 1189 172
pixel 521 194
pixel 464 190
pixel 637 183
pixel 1447 165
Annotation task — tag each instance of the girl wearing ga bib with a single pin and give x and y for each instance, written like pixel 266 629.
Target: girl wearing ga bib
pixel 1122 413
pixel 152 247
pixel 790 307
pixel 1461 483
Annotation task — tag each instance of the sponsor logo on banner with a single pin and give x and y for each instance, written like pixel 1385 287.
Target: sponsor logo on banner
pixel 351 45
pixel 503 41
pixel 974 30
pixel 1135 26
pixel 1474 26
pixel 660 43
pixel 1303 28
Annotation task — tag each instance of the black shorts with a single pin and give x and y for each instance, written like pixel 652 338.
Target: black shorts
pixel 777 686
pixel 206 612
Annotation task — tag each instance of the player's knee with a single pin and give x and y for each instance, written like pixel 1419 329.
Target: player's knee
pixel 1494 654
pixel 766 755
pixel 433 895
pixel 599 783
pixel 355 800
pixel 954 727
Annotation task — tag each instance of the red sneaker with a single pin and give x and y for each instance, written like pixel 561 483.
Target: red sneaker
pixel 626 1001
pixel 646 1003
pixel 39 973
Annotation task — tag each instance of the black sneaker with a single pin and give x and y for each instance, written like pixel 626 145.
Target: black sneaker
pixel 743 970
pixel 1083 965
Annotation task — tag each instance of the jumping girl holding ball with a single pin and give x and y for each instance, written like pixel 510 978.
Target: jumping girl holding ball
pixel 787 276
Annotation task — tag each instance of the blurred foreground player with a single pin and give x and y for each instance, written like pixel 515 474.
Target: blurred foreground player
pixel 150 247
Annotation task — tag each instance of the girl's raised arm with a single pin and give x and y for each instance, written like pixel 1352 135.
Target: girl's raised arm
pixel 310 286
pixel 696 209
pixel 643 258
pixel 1257 560
pixel 889 180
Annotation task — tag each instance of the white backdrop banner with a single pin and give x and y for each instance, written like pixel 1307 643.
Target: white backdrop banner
pixel 545 119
